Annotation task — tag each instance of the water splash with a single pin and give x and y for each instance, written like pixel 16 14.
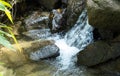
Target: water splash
pixel 66 53
pixel 74 41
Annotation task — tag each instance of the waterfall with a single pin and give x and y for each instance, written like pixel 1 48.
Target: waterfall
pixel 74 41
pixel 81 34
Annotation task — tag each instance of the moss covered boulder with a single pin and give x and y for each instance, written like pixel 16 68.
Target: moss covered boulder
pixel 104 14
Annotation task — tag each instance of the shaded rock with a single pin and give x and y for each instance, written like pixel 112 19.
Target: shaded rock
pixel 56 20
pixel 53 4
pixel 38 34
pixel 112 65
pixel 74 9
pixel 36 20
pixel 47 4
pixel 99 72
pixel 104 14
pixel 99 52
pixel 67 16
pixel 45 52
pixel 105 34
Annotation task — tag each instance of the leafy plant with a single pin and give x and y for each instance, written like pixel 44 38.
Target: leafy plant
pixel 4 7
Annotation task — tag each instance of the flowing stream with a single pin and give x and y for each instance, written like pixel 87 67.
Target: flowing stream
pixel 73 42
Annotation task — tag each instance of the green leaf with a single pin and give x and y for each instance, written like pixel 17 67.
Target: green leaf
pixel 15 40
pixel 7 34
pixel 5 3
pixel 5 42
pixel 2 7
pixel 7 12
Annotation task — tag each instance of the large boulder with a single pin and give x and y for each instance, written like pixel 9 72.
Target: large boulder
pixel 99 51
pixel 104 14
pixel 41 50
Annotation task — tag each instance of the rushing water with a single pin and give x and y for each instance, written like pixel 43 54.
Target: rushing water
pixel 74 41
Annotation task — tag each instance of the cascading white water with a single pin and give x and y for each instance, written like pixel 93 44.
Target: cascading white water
pixel 74 41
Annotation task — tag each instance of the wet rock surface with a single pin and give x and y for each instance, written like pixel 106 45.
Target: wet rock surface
pixel 38 34
pixel 67 15
pixel 37 20
pixel 74 9
pixel 48 51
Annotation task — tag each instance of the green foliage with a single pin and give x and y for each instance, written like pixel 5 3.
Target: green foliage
pixel 4 7
pixel 3 40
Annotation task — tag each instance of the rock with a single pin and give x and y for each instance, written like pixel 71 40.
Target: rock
pixel 17 28
pixel 74 9
pixel 53 4
pixel 38 33
pixel 36 20
pixel 47 4
pixel 45 52
pixel 105 34
pixel 69 15
pixel 110 66
pixel 104 14
pixel 56 20
pixel 98 52
pixel 16 58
